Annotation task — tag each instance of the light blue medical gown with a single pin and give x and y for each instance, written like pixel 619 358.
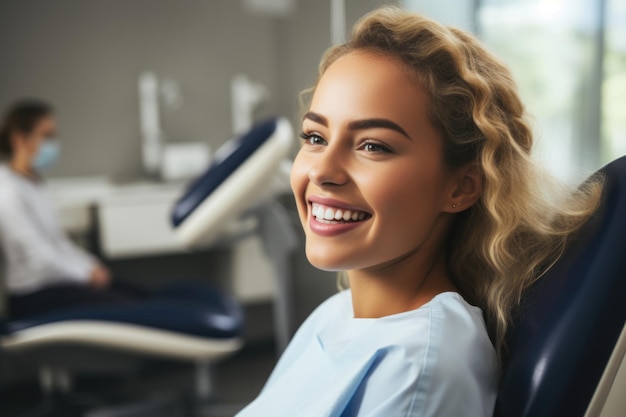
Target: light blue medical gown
pixel 436 360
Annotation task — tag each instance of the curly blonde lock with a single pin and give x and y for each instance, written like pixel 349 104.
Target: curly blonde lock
pixel 520 226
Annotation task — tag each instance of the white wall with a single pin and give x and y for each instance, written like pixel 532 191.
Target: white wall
pixel 458 13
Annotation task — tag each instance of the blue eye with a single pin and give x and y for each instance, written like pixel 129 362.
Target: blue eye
pixel 312 139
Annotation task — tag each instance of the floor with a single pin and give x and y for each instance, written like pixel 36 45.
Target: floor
pixel 237 381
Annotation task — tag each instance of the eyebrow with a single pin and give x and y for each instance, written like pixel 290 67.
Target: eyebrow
pixel 361 124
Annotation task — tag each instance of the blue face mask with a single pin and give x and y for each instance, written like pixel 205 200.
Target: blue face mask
pixel 47 155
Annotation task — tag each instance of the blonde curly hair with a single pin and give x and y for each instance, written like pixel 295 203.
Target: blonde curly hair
pixel 523 219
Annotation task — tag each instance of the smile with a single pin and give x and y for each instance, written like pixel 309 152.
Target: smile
pixel 333 215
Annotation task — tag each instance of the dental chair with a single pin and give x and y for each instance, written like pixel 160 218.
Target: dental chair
pixel 231 201
pixel 194 323
pixel 568 341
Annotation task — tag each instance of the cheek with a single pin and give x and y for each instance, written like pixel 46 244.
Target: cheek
pixel 405 194
pixel 299 179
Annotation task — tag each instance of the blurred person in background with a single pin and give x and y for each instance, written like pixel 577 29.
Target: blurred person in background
pixel 44 270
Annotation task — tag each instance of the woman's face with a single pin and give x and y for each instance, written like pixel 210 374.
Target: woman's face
pixel 369 181
pixel 28 144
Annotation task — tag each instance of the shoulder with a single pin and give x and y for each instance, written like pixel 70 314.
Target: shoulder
pixel 451 315
pixel 457 335
pixel 444 332
pixel 460 365
pixel 436 360
pixel 446 318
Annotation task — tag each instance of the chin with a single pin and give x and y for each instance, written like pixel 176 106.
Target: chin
pixel 322 259
pixel 322 263
pixel 327 259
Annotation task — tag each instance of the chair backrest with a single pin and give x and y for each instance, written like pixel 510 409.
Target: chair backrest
pixel 240 175
pixel 571 320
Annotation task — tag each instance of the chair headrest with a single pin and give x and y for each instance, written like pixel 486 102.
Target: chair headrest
pixel 227 159
pixel 571 319
pixel 240 174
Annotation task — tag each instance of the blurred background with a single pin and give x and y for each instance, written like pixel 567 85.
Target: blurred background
pixel 86 57
pixel 90 58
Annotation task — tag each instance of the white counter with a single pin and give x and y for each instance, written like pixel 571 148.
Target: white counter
pixel 133 219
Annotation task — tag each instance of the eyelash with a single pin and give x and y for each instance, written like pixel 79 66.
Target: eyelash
pixel 383 148
pixel 308 136
pixel 367 142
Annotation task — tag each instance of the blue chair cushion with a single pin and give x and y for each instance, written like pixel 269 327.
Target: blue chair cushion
pixel 571 319
pixel 230 156
pixel 197 310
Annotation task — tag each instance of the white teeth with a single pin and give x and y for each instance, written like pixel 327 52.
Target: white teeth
pixel 330 215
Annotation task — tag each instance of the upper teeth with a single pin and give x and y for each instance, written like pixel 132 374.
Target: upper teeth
pixel 332 213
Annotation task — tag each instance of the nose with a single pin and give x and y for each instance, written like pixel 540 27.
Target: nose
pixel 329 168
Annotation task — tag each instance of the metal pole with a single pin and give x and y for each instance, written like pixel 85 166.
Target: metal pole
pixel 279 241
pixel 337 21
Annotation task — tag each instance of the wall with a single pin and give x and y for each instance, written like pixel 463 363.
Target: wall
pixel 302 40
pixel 85 57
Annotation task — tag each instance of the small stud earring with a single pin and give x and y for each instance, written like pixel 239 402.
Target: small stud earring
pixel 453 205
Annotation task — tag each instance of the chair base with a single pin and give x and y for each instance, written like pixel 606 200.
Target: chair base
pixel 151 398
pixel 156 407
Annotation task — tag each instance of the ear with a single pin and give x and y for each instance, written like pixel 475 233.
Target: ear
pixel 466 188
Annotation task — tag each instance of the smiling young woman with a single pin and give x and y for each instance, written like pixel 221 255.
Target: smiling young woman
pixel 370 147
pixel 415 177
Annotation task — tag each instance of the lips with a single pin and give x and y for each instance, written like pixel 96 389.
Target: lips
pixel 332 217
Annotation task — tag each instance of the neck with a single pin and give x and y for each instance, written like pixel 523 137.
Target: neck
pixel 402 285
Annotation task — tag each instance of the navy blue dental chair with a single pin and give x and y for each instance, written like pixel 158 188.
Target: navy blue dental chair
pixel 194 323
pixel 568 343
pixel 238 186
